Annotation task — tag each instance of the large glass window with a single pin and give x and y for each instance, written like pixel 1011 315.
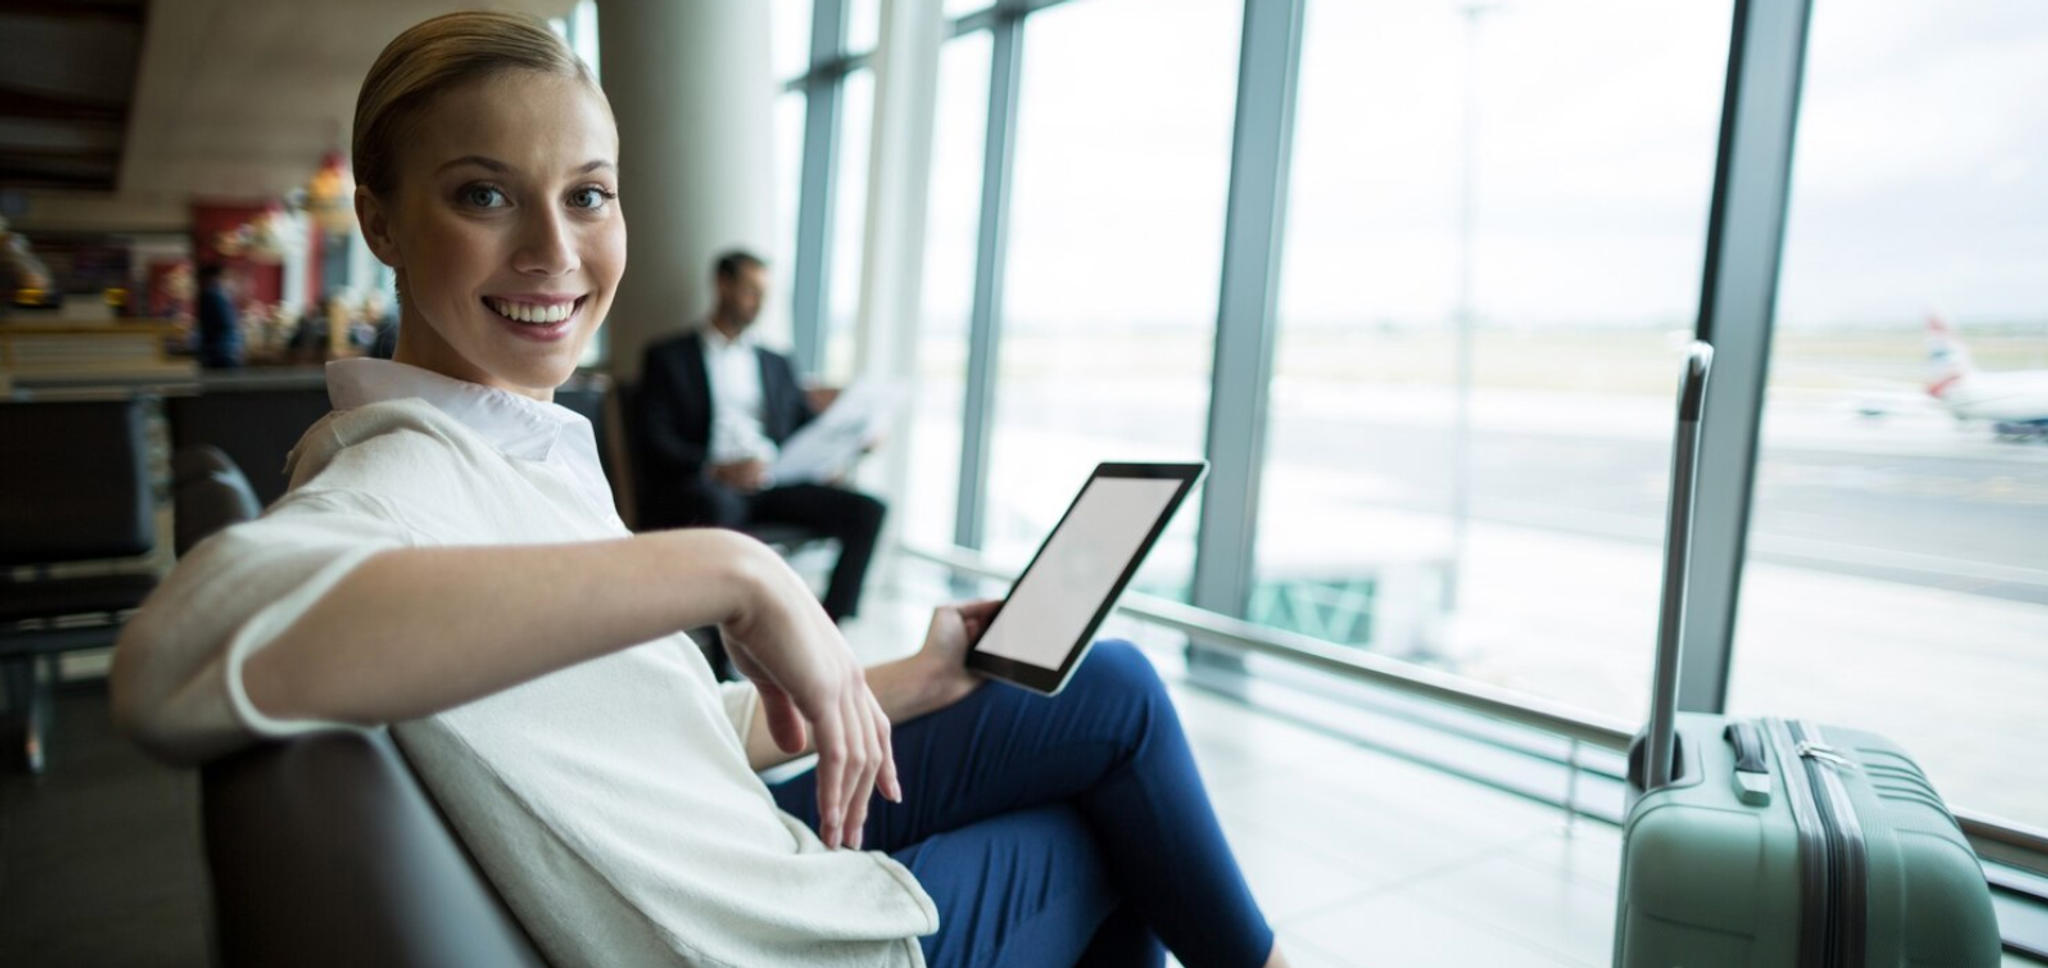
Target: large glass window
pixel 789 165
pixel 1116 231
pixel 849 224
pixel 863 25
pixel 959 132
pixel 1898 549
pixel 789 30
pixel 1496 225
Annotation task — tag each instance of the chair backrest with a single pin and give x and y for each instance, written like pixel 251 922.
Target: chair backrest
pixel 622 450
pixel 254 426
pixel 74 481
pixel 595 396
pixel 208 493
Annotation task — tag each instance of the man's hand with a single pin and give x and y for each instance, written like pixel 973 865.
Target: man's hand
pixel 821 399
pixel 744 476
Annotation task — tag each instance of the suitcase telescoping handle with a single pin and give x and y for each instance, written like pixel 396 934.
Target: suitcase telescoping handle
pixel 1699 359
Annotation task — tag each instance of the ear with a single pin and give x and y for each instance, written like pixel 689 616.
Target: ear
pixel 376 222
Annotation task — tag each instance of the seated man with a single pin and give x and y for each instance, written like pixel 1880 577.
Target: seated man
pixel 714 411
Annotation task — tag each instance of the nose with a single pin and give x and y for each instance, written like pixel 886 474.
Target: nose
pixel 546 245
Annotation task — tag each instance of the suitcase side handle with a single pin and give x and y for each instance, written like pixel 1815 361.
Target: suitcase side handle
pixel 1752 774
pixel 1685 447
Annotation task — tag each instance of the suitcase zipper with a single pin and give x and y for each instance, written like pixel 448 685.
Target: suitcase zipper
pixel 1849 874
pixel 1816 850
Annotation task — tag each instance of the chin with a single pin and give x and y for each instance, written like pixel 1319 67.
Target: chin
pixel 539 374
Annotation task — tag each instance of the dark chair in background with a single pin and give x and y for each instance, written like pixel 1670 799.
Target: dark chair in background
pixel 324 850
pixel 74 487
pixel 254 423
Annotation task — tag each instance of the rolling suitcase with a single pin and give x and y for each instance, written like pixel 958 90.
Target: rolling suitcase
pixel 1781 842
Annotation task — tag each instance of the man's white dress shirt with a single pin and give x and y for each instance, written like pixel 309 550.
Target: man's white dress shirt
pixel 609 803
pixel 734 368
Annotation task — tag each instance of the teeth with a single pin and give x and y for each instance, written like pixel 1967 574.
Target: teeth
pixel 531 312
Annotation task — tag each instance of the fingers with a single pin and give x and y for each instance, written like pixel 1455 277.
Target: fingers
pixel 980 611
pixel 831 777
pixel 865 762
pixel 891 784
pixel 855 760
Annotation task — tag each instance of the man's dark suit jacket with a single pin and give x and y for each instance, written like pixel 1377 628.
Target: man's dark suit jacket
pixel 675 424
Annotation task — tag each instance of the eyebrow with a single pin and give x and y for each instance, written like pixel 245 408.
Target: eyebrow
pixel 500 167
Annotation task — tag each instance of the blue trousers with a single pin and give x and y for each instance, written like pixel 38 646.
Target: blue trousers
pixel 1065 831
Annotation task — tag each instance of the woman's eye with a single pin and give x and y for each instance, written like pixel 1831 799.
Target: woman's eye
pixel 590 197
pixel 482 196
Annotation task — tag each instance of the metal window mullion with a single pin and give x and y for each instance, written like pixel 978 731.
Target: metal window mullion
pixel 822 94
pixel 1738 292
pixel 1240 376
pixel 992 244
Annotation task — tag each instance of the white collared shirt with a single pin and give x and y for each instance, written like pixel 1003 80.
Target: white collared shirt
pixel 610 803
pixel 550 434
pixel 734 368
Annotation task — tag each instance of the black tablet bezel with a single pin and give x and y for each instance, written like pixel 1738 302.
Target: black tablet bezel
pixel 1047 681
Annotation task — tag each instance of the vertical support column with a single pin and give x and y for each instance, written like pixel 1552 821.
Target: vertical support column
pixel 992 243
pixel 691 88
pixel 1242 370
pixel 813 268
pixel 1752 184
pixel 899 193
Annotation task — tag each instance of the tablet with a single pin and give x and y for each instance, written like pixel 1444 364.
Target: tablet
pixel 1044 626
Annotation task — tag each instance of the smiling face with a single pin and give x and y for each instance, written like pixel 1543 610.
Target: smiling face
pixel 505 229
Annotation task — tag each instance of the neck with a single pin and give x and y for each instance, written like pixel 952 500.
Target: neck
pixel 726 327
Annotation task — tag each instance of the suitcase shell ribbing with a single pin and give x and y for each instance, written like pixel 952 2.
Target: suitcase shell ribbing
pixel 1708 880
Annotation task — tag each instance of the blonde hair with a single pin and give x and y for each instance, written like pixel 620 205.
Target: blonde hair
pixel 435 56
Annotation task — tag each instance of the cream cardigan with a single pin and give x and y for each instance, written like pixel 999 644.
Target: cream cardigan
pixel 610 803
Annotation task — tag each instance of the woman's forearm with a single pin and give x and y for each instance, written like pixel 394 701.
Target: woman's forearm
pixel 413 632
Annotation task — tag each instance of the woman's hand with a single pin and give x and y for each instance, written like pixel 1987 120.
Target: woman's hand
pixel 810 683
pixel 943 659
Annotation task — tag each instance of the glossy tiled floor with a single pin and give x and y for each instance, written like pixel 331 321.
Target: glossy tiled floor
pixel 1360 858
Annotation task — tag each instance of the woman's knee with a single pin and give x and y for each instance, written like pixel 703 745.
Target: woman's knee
pixel 1122 666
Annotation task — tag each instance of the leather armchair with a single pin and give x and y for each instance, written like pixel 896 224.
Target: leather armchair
pixel 325 850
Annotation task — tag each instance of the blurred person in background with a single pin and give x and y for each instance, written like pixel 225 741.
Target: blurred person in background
pixel 715 408
pixel 220 329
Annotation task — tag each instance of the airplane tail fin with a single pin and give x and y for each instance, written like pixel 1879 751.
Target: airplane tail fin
pixel 1948 361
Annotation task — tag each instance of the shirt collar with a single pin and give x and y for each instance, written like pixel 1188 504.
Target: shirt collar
pixel 520 427
pixel 716 340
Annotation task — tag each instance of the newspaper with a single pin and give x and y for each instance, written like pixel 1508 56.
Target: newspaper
pixel 827 446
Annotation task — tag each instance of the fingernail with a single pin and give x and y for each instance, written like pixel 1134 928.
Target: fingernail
pixel 854 841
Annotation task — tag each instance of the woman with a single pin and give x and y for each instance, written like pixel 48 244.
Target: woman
pixel 448 561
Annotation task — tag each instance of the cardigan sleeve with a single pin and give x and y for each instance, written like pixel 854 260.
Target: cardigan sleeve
pixel 177 677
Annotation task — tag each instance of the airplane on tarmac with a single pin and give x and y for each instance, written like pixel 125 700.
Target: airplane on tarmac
pixel 2014 401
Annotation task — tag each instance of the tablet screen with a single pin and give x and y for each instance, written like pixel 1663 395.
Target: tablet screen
pixel 1053 604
